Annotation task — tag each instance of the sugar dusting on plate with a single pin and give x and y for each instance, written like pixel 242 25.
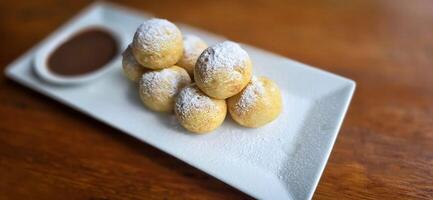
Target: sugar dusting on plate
pixel 252 145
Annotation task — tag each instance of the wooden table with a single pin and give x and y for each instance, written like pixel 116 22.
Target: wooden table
pixel 384 149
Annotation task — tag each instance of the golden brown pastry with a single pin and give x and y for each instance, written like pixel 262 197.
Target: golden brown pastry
pixel 158 89
pixel 197 112
pixel 258 104
pixel 131 68
pixel 193 46
pixel 223 70
pixel 157 44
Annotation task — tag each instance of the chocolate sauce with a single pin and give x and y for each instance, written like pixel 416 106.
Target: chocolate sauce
pixel 85 52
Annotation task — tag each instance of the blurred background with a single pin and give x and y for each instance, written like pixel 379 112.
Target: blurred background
pixel 384 149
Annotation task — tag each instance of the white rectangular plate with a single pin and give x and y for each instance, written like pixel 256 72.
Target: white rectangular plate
pixel 282 160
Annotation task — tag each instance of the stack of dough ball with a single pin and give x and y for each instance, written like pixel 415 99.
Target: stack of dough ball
pixel 157 44
pixel 158 89
pixel 193 46
pixel 131 68
pixel 258 104
pixel 223 70
pixel 197 112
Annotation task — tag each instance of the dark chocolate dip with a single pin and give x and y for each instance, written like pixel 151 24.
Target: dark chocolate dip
pixel 84 52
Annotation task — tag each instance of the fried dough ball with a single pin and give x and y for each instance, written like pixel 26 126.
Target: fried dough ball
pixel 131 68
pixel 223 70
pixel 157 44
pixel 258 104
pixel 158 89
pixel 193 46
pixel 198 112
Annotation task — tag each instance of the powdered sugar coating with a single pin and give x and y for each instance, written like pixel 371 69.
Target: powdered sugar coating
pixel 193 46
pixel 250 95
pixel 190 100
pixel 164 82
pixel 131 68
pixel 222 57
pixel 153 34
pixel 128 57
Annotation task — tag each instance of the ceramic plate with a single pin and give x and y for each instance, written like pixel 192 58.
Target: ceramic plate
pixel 282 160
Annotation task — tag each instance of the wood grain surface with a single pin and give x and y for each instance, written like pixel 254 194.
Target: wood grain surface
pixel 384 149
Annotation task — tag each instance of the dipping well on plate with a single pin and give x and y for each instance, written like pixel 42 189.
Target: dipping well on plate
pixel 85 52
